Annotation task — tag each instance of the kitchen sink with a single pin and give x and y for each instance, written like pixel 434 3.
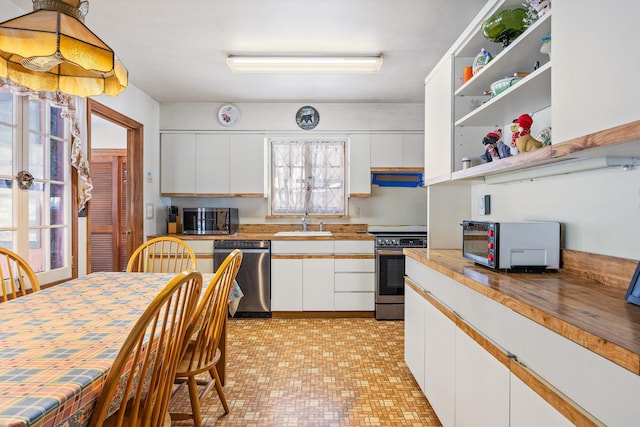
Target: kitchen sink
pixel 303 233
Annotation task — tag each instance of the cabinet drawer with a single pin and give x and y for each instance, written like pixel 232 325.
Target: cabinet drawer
pixel 201 246
pixel 205 264
pixel 356 301
pixel 441 286
pixel 298 247
pixel 356 265
pixel 354 247
pixel 355 282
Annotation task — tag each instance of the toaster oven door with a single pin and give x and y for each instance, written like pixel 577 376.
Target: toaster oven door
pixel 478 242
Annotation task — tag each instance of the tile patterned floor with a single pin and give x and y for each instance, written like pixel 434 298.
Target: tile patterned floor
pixel 316 372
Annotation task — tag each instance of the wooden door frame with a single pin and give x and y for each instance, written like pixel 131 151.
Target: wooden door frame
pixel 135 165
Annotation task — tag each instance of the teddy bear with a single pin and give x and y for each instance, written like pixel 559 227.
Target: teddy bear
pixel 523 140
pixel 495 148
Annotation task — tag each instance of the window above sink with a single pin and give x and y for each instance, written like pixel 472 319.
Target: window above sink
pixel 307 176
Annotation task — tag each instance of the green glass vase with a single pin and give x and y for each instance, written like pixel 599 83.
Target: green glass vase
pixel 505 26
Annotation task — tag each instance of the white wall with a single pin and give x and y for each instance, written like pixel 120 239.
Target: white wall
pixel 280 117
pixel 600 210
pixel 386 206
pixel 107 135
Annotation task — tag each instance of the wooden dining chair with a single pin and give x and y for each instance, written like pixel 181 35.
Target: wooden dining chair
pixel 16 276
pixel 143 372
pixel 203 353
pixel 162 255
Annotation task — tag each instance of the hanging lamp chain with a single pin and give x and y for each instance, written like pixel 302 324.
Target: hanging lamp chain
pixel 72 8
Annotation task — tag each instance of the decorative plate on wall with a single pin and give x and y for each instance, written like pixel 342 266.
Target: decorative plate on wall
pixel 307 118
pixel 228 115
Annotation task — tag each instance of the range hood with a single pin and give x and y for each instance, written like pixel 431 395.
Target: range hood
pixel 397 179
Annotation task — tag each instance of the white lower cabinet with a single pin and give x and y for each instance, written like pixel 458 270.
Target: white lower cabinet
pixel 440 363
pixel 530 410
pixel 354 283
pixel 322 275
pixel 317 284
pixel 414 335
pixel 481 386
pixel 467 384
pixel 286 286
pixel 204 255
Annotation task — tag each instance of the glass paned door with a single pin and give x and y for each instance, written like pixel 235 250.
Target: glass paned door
pixel 48 200
pixel 35 221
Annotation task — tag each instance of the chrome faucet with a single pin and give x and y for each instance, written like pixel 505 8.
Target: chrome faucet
pixel 304 222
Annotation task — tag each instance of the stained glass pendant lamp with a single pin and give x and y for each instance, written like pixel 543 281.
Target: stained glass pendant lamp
pixel 50 49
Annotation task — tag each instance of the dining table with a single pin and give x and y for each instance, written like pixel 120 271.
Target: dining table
pixel 57 345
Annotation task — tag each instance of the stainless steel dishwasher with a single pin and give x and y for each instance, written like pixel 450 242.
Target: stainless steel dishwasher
pixel 254 276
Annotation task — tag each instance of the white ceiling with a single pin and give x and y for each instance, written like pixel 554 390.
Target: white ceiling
pixel 175 51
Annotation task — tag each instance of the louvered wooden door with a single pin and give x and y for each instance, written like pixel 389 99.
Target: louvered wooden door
pixel 108 211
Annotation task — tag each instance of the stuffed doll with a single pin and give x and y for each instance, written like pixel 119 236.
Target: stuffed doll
pixel 514 134
pixel 495 148
pixel 503 149
pixel 490 143
pixel 524 141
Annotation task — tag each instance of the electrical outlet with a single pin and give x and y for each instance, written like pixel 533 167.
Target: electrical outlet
pixel 149 178
pixel 356 212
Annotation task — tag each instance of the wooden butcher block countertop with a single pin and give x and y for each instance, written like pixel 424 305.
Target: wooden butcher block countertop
pixel 273 236
pixel 269 232
pixel 583 310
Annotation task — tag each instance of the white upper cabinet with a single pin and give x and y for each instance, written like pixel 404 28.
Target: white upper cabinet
pixel 474 113
pixel 212 164
pixel 413 150
pixel 395 150
pixel 247 164
pixel 438 121
pixel 583 95
pixel 177 157
pixel 386 150
pixel 360 164
pixel 594 62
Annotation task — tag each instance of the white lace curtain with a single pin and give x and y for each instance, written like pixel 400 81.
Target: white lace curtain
pixel 307 176
pixel 78 159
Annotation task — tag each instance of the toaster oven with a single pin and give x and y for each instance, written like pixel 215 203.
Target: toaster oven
pixel 525 246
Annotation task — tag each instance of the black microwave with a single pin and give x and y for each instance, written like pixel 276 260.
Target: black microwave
pixel 209 220
pixel 524 246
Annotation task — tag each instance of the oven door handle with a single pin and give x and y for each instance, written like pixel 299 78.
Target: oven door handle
pixel 389 252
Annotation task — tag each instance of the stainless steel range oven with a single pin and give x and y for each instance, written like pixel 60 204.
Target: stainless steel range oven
pixel 390 271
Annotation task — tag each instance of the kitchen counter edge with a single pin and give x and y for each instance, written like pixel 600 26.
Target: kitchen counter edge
pixel 270 236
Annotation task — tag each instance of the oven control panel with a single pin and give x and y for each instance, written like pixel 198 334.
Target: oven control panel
pixel 401 242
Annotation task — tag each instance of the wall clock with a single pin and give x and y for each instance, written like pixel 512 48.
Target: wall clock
pixel 307 117
pixel 228 115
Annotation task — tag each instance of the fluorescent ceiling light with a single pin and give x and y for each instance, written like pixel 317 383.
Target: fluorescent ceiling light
pixel 304 64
